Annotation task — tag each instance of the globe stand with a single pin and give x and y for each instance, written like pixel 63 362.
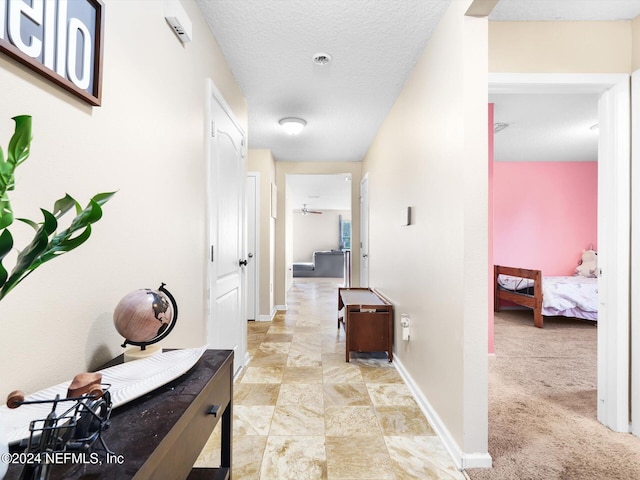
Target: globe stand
pixel 147 348
pixel 131 354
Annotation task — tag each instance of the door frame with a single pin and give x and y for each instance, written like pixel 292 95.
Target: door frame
pixel 614 241
pixel 364 235
pixel 635 251
pixel 241 358
pixel 256 229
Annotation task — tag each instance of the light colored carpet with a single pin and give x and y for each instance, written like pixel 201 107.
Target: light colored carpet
pixel 542 406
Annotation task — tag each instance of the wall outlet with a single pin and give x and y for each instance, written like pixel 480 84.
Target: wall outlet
pixel 405 323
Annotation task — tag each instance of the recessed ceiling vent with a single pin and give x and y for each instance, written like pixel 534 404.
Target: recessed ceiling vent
pixel 321 58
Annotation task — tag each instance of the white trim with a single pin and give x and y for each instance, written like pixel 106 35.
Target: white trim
pixel 268 318
pixel 256 255
pixel 614 197
pixel 461 459
pixel 281 308
pixel 613 228
pixel 553 82
pixel 635 251
pixel 364 282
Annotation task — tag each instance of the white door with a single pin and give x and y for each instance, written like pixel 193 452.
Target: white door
pixel 364 232
pixel 253 232
pixel 226 326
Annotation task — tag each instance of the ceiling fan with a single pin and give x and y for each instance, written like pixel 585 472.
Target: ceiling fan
pixel 306 211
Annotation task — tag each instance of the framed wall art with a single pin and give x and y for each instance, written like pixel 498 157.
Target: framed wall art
pixel 61 40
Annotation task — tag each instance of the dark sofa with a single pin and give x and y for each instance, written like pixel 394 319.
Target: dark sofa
pixel 325 264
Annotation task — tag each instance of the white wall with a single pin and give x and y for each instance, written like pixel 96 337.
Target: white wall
pixel 315 232
pixel 431 154
pixel 147 142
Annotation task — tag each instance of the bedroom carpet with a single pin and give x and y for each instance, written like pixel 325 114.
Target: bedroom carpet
pixel 542 406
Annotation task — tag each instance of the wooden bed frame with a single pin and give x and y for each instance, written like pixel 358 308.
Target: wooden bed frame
pixel 527 300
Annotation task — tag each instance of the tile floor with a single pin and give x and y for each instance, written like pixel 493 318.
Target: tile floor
pixel 302 413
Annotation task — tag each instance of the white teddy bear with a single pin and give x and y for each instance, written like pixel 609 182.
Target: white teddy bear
pixel 588 266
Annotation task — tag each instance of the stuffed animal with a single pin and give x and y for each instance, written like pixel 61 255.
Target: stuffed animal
pixel 588 266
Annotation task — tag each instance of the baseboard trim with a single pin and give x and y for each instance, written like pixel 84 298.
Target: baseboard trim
pixel 270 317
pixel 283 308
pixel 462 460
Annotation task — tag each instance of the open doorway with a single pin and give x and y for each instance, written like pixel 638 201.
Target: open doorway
pixel 321 225
pixel 613 203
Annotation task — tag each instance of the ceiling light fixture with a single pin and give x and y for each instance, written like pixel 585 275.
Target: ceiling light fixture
pixel 292 125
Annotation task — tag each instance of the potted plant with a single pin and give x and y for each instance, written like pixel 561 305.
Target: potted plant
pixel 47 242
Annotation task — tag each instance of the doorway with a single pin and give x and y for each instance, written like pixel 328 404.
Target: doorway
pixel 320 224
pixel 613 229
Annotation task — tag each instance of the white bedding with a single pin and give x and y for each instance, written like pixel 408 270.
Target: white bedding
pixel 574 296
pixel 514 283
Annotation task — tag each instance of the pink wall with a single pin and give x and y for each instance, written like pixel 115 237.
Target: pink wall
pixel 544 214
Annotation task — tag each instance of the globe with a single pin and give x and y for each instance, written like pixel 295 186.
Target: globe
pixel 145 316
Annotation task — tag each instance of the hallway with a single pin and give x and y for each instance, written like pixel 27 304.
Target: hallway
pixel 301 412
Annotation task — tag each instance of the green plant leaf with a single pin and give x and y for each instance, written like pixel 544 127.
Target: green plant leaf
pixel 28 257
pixel 6 214
pixel 17 152
pixel 20 143
pixel 102 198
pixel 31 223
pixel 46 244
pixel 6 244
pixel 65 204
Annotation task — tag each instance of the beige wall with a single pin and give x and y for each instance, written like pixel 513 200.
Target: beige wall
pixel 635 44
pixel 262 162
pixel 284 225
pixel 431 155
pixel 316 232
pixel 560 47
pixel 146 141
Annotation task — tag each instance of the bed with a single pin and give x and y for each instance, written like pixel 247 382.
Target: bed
pixel 570 296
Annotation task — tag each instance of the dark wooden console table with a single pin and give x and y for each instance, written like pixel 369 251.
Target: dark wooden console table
pixel 368 321
pixel 161 434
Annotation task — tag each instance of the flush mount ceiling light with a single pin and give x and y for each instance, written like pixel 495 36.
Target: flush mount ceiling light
pixel 292 125
pixel 321 58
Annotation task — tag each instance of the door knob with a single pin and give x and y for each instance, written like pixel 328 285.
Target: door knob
pixel 364 255
pixel 242 263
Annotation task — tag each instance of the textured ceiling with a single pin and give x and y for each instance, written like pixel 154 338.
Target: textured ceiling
pixel 270 46
pixel 320 192
pixel 546 127
pixel 576 10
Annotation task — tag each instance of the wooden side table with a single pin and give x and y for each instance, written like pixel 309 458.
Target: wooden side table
pixel 160 435
pixel 368 321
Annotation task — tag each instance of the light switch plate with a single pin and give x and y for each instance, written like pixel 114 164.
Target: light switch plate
pixel 405 216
